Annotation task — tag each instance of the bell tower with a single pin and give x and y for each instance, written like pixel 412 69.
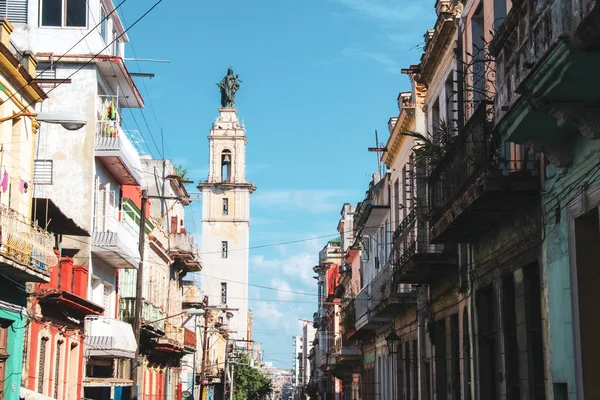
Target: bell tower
pixel 226 219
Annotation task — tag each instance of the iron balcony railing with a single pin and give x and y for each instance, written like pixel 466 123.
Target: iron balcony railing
pixel 406 223
pixel 476 151
pixel 25 243
pixel 413 239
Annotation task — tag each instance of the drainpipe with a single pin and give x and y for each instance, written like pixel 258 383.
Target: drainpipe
pixel 423 390
pixel 472 336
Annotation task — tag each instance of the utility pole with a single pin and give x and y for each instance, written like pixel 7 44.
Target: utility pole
pixel 137 324
pixel 203 366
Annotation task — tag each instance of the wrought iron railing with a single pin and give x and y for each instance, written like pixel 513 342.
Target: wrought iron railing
pixel 414 240
pixel 24 242
pixel 406 223
pixel 475 151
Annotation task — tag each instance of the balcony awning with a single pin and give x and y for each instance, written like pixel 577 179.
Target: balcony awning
pixel 108 337
pixel 115 72
pixel 375 220
pixel 26 394
pixel 45 211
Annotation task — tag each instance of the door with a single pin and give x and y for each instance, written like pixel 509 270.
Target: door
pixel 3 353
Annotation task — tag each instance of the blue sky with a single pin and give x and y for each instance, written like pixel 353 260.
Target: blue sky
pixel 319 76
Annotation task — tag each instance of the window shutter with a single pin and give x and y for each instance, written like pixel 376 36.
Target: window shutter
pixel 14 10
pixel 42 171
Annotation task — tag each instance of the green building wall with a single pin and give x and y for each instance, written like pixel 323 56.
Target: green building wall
pixel 561 188
pixel 10 293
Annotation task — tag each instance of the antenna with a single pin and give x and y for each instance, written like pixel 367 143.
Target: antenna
pixel 379 148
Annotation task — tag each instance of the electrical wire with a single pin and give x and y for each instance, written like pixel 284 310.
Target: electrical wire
pixel 67 52
pixel 97 54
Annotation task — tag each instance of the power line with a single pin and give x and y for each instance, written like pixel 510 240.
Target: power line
pixel 97 54
pixel 71 48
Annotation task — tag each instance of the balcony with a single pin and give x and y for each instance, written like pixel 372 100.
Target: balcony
pixel 26 251
pixel 116 242
pixel 172 341
pixel 413 260
pixel 185 252
pixel 152 316
pixel 116 153
pixel 388 298
pixel 109 338
pixel 345 359
pixel 478 180
pixel 547 83
pixel 373 210
pixel 365 321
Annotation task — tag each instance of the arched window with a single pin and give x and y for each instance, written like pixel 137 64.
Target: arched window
pixel 226 166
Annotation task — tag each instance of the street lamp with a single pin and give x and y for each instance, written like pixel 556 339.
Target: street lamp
pixel 69 121
pixel 391 340
pixel 197 312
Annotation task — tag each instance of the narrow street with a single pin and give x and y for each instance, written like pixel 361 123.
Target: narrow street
pixel 299 200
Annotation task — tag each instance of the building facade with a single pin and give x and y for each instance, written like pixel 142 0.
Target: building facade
pixel 27 254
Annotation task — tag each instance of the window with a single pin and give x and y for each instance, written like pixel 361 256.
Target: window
pixel 14 10
pixel 225 206
pixel 64 13
pixel 106 297
pixel 57 368
pixel 103 23
pixel 223 293
pixel 42 172
pixel 224 249
pixel 42 365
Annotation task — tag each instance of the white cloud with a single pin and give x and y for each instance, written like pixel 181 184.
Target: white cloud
pixel 380 58
pixel 284 289
pixel 298 266
pixel 315 201
pixel 269 313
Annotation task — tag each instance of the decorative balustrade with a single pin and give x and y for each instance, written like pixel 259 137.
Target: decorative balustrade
pixel 151 315
pixel 174 333
pixel 25 243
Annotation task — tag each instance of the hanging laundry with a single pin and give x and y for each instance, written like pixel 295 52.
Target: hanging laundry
pixel 21 186
pixel 106 115
pixel 4 182
pixel 113 111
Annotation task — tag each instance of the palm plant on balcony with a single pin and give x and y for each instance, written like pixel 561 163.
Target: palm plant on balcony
pixel 348 314
pixel 429 149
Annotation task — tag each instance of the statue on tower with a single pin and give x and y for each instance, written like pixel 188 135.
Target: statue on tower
pixel 229 85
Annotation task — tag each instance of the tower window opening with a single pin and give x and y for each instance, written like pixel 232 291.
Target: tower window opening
pixel 226 166
pixel 224 249
pixel 225 206
pixel 223 294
